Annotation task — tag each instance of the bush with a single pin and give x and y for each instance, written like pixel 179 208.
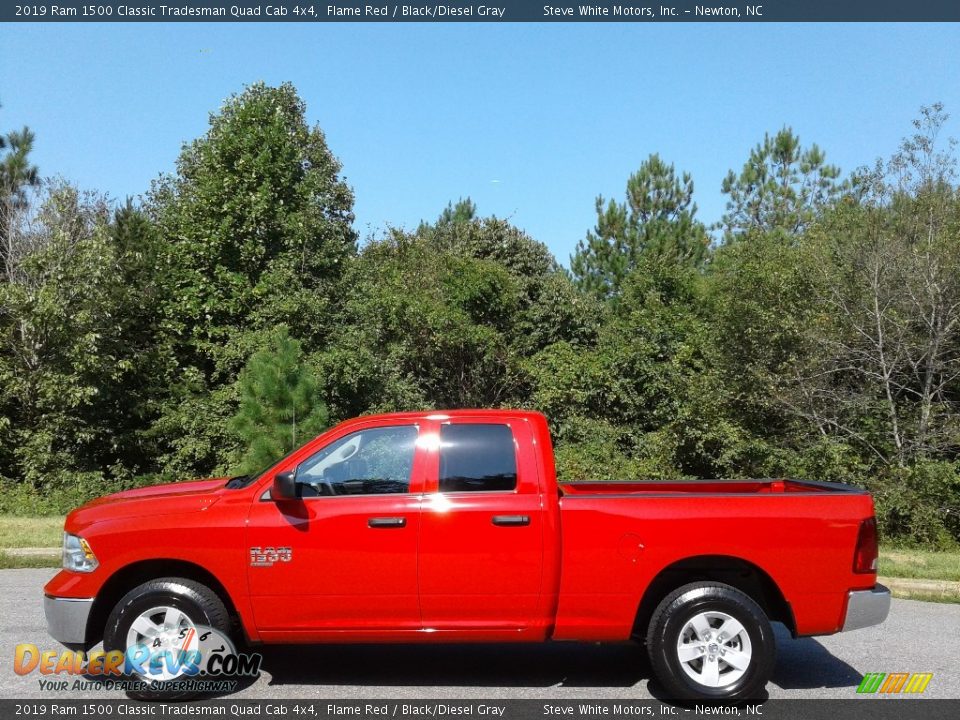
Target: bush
pixel 66 492
pixel 920 505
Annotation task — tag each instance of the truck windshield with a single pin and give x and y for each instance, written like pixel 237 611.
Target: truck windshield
pixel 241 481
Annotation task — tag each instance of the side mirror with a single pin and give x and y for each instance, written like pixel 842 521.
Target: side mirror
pixel 284 486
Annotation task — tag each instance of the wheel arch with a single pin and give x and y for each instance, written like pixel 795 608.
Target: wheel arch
pixel 741 574
pixel 134 574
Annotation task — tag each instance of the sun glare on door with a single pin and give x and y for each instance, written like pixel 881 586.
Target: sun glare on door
pixel 438 503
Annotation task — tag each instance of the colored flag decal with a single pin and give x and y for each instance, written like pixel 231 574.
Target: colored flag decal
pixel 894 683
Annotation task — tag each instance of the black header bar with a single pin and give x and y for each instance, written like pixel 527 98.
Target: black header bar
pixel 861 708
pixel 639 11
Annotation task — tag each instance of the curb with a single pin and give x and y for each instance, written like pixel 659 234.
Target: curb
pixel 908 587
pixel 31 551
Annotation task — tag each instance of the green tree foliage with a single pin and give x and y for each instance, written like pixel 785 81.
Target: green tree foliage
pixel 656 221
pixel 81 368
pixel 758 302
pixel 463 211
pixel 17 177
pixel 842 346
pixel 257 229
pixel 884 356
pixel 443 317
pixel 59 340
pixel 219 324
pixel 17 173
pixel 781 188
pixel 640 401
pixel 258 223
pixel 145 362
pixel 280 405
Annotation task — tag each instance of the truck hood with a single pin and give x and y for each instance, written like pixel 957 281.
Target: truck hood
pixel 168 499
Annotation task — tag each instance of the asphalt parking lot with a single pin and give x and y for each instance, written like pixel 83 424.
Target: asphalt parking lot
pixel 917 637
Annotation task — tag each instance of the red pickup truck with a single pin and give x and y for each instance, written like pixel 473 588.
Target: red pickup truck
pixel 451 527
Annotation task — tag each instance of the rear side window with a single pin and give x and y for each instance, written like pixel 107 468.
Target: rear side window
pixel 477 457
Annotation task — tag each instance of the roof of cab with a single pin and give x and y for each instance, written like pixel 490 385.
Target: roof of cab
pixel 448 414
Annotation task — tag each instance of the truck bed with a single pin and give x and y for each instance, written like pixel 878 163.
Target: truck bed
pixel 618 537
pixel 660 488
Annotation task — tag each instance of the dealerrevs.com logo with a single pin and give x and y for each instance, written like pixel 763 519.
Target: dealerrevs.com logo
pixel 199 659
pixel 894 683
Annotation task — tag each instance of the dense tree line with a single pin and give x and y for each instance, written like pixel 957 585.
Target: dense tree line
pixel 813 331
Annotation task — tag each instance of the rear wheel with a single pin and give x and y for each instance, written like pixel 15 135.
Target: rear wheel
pixel 709 641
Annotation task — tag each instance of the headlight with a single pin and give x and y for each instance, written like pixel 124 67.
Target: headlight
pixel 77 555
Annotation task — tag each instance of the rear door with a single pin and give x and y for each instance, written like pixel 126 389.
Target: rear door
pixel 481 534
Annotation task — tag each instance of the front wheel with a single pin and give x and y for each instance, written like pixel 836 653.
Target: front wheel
pixel 709 641
pixel 164 615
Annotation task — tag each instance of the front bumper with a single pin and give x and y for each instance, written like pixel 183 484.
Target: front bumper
pixel 866 607
pixel 67 618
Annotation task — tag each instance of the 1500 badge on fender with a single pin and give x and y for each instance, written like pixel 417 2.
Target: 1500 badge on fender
pixel 265 557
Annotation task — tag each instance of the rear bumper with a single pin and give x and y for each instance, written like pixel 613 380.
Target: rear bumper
pixel 866 607
pixel 67 618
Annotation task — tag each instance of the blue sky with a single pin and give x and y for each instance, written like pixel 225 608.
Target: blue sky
pixel 530 120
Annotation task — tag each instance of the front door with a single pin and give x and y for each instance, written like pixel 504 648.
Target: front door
pixel 343 558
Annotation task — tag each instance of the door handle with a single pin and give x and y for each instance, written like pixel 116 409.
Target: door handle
pixel 386 522
pixel 510 520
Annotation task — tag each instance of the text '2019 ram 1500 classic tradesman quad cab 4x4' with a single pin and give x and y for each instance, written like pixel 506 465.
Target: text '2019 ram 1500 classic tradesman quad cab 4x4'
pixel 451 527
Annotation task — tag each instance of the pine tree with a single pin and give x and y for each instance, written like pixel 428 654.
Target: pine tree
pixel 280 407
pixel 17 174
pixel 464 211
pixel 781 188
pixel 657 222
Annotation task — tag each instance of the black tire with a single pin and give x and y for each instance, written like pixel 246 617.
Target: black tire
pixel 668 622
pixel 197 601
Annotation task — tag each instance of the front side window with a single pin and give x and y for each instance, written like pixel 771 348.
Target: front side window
pixel 376 461
pixel 477 457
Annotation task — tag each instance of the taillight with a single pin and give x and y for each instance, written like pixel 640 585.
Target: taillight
pixel 865 556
